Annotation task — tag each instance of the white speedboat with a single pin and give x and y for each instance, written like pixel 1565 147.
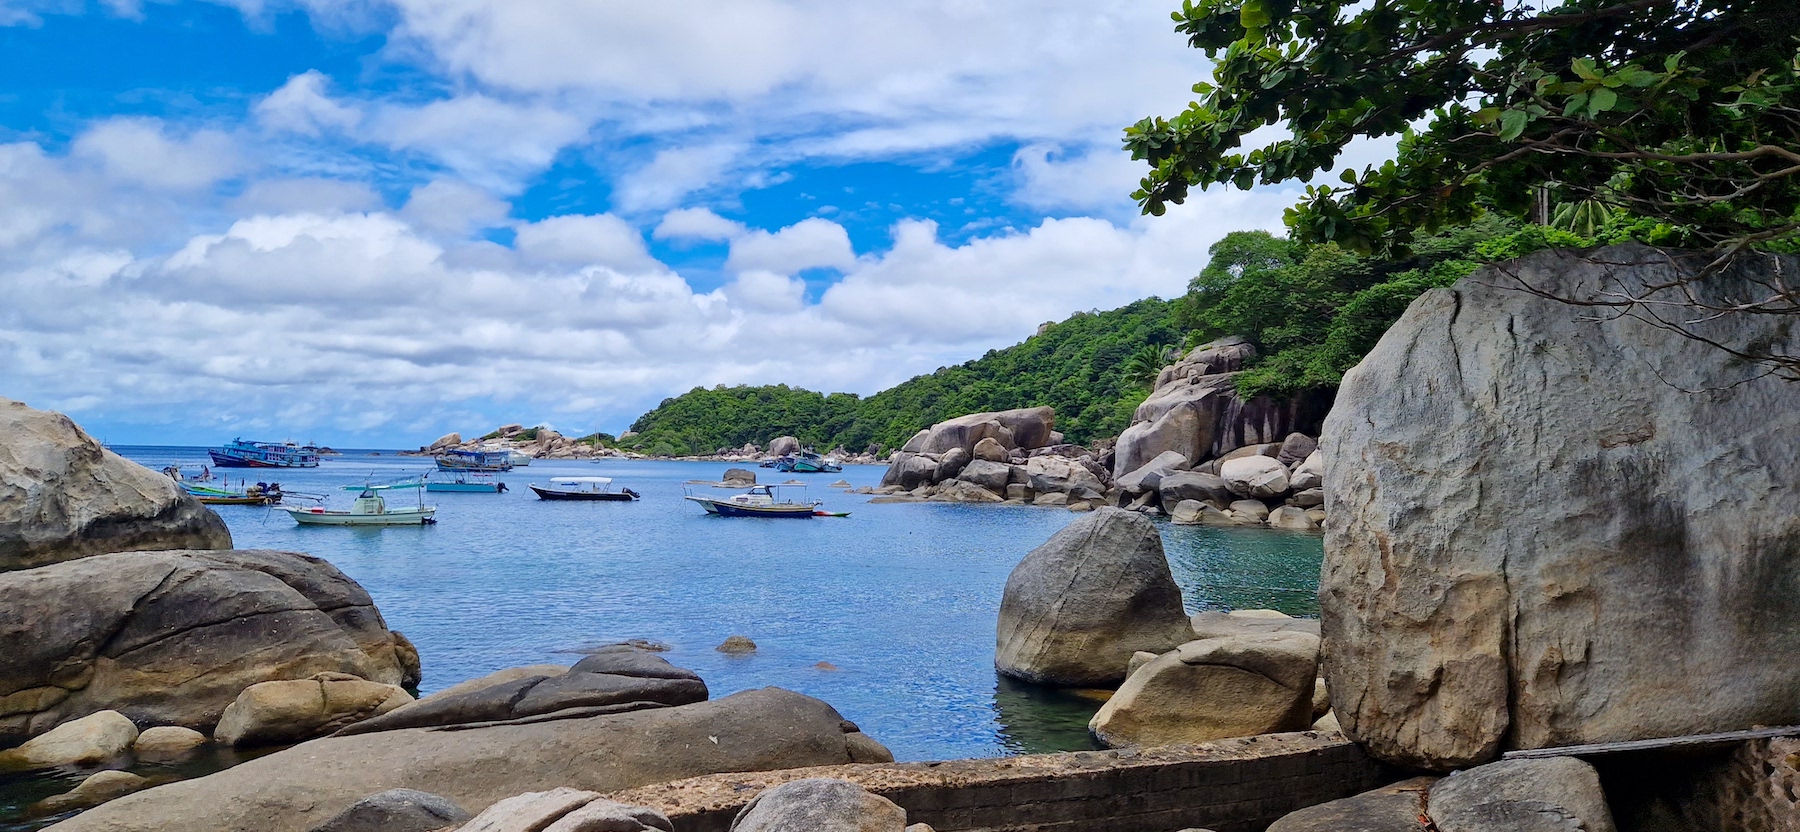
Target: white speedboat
pixel 368 510
pixel 519 460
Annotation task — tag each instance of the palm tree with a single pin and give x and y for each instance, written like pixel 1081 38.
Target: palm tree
pixel 1143 365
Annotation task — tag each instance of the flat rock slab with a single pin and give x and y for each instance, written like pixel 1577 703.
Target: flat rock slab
pixel 295 789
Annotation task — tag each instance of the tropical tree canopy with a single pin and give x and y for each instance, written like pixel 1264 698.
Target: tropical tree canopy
pixel 1683 113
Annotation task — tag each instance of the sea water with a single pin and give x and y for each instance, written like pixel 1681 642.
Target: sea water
pixel 887 614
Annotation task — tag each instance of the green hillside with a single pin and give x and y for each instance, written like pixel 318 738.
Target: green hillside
pixel 1077 366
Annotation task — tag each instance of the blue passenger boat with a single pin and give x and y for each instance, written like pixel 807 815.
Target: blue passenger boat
pixel 807 462
pixel 241 454
pixel 475 461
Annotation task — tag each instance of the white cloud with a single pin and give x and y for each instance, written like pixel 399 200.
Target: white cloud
pixel 696 224
pixel 305 195
pixel 492 143
pixel 671 174
pixel 1095 178
pixel 809 243
pixel 576 240
pixel 454 208
pixel 301 106
pixel 140 152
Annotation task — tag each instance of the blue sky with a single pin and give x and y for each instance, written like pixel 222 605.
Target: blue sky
pixel 371 222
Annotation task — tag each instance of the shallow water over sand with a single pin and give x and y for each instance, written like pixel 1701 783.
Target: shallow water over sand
pixel 900 599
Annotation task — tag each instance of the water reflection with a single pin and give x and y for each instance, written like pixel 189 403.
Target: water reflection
pixel 1039 720
pixel 1248 568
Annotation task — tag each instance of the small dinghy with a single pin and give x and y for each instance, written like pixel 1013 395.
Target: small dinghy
pixel 583 488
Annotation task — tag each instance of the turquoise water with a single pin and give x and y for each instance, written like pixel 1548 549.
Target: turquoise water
pixel 901 599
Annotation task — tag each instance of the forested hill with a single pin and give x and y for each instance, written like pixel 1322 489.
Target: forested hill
pixel 1077 367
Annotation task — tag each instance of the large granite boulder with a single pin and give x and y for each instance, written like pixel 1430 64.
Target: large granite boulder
pixel 1546 529
pixel 1194 485
pixel 1077 607
pixel 783 445
pixel 1026 428
pixel 396 810
pixel 1196 411
pixel 819 804
pixel 992 476
pixel 1060 474
pixel 477 766
pixel 275 713
pixel 90 740
pixel 63 496
pixel 171 638
pixel 567 810
pixel 1213 689
pixel 909 470
pixel 1558 794
pixel 1396 808
pixel 1257 477
pixel 1148 477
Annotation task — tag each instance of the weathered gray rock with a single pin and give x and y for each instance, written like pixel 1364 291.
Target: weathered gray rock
pixel 1310 498
pixel 63 496
pixel 536 695
pixel 743 475
pixel 992 476
pixel 1188 513
pixel 1291 517
pixel 1212 689
pixel 1257 477
pixel 396 810
pixel 277 713
pixel 958 491
pixel 567 810
pixel 295 789
pixel 171 638
pixel 736 644
pixel 1549 530
pixel 95 738
pixel 167 743
pixel 1309 474
pixel 783 445
pixel 1055 473
pixel 1395 808
pixel 1148 477
pixel 626 660
pixel 819 804
pixel 1558 794
pixel 1214 624
pixel 1295 449
pixel 909 470
pixel 990 450
pixel 448 440
pixel 1077 607
pixel 1249 512
pixel 951 464
pixel 1181 431
pixel 1023 428
pixel 1194 485
pixel 93 791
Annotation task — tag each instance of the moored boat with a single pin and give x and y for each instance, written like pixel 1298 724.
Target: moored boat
pixel 241 454
pixel 370 509
pixel 755 501
pixel 467 481
pixel 582 488
pixel 474 461
pixel 518 459
pixel 807 462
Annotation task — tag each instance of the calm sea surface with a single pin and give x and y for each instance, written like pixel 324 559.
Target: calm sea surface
pixel 901 599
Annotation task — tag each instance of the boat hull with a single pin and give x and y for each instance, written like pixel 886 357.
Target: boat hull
pixel 235 501
pixel 585 496
pixel 228 461
pixel 309 517
pixel 725 508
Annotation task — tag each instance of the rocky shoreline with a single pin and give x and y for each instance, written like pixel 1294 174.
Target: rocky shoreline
pixel 544 443
pixel 1549 567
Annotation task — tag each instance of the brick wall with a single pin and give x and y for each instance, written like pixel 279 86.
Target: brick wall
pixel 1239 785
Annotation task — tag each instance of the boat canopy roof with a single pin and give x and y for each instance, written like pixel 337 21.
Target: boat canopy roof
pixel 581 480
pixel 413 482
pixel 745 486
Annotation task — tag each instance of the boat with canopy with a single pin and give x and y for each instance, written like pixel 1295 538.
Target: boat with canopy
pixel 370 508
pixel 583 488
pixel 772 500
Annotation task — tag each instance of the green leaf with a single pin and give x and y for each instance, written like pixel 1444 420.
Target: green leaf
pixel 1601 100
pixel 1512 124
pixel 1584 67
pixel 1253 17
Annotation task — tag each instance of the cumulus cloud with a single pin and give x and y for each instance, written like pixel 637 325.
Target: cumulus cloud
pixel 578 240
pixel 454 208
pixel 697 224
pixel 810 243
pixel 140 151
pixel 301 106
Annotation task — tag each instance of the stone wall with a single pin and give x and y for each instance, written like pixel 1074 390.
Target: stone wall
pixel 1238 785
pixel 1748 787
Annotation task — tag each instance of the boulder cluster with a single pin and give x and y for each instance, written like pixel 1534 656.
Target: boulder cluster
pixel 1096 605
pixel 537 443
pixel 1009 456
pixel 1275 484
